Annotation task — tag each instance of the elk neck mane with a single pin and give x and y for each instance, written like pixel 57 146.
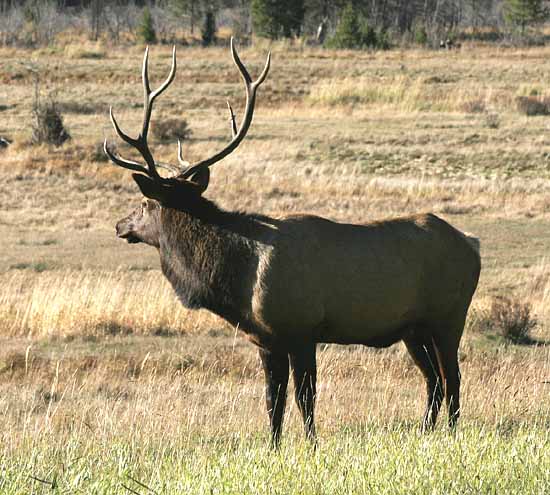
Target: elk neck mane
pixel 210 256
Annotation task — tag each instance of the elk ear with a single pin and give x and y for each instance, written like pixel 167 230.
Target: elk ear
pixel 200 179
pixel 149 188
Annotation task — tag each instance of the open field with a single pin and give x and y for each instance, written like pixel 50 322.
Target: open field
pixel 105 379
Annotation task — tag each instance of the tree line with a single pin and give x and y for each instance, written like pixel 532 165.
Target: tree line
pixel 336 23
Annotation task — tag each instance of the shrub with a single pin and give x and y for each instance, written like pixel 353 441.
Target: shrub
pixel 47 126
pixel 492 120
pixel 512 319
pixel 170 130
pixel 533 105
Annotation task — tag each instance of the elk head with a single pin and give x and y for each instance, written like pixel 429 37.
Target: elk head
pixel 185 188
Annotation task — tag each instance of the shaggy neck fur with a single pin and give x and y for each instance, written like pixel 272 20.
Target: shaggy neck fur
pixel 210 258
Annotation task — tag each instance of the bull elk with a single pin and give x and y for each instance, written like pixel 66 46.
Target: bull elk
pixel 292 282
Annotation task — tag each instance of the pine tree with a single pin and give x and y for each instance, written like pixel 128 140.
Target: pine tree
pixel 274 18
pixel 291 17
pixel 208 31
pixel 348 33
pixel 265 18
pixel 523 13
pixel 146 28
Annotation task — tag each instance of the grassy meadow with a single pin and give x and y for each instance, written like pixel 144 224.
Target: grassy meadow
pixel 108 385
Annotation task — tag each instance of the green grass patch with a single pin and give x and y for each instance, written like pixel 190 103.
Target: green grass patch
pixel 364 460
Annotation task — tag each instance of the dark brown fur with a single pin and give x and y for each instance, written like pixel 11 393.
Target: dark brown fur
pixel 293 282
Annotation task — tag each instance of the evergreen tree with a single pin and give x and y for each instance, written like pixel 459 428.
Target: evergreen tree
pixel 348 33
pixel 265 18
pixel 292 17
pixel 146 28
pixel 274 18
pixel 523 13
pixel 208 31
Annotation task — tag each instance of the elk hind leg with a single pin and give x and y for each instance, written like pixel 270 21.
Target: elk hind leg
pixel 446 346
pixel 423 353
pixel 275 366
pixel 304 370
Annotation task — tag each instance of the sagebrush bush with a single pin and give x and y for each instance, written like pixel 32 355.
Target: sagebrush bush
pixel 97 153
pixel 513 319
pixel 474 106
pixel 47 126
pixel 170 130
pixel 492 120
pixel 533 105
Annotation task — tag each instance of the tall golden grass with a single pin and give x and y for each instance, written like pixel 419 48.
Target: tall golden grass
pixel 93 303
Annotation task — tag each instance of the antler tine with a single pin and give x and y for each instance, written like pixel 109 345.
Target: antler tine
pixel 150 96
pixel 119 131
pixel 123 162
pixel 244 72
pixel 237 60
pixel 140 143
pixel 145 73
pixel 184 163
pixel 232 120
pixel 250 88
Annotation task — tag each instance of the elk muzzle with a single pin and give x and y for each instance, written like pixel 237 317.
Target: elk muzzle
pixel 124 231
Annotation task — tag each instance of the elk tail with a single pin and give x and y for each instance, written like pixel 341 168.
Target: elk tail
pixel 473 241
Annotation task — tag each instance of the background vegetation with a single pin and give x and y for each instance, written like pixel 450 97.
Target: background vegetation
pixel 377 23
pixel 108 385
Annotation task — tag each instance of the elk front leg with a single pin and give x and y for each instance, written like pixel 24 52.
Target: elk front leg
pixel 275 365
pixel 304 370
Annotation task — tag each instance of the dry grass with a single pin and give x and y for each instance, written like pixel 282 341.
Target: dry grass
pixel 100 363
pixel 93 304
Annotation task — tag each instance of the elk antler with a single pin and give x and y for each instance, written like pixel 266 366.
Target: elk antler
pixel 238 135
pixel 140 143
